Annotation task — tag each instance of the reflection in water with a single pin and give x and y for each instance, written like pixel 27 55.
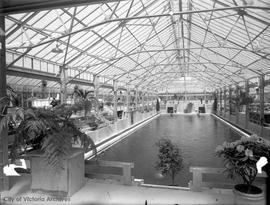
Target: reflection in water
pixel 196 136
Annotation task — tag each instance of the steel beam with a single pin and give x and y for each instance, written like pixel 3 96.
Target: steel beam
pixel 23 6
pixel 36 74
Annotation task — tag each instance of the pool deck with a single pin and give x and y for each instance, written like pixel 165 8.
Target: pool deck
pixel 108 192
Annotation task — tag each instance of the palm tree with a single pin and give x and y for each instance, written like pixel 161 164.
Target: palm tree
pixel 85 102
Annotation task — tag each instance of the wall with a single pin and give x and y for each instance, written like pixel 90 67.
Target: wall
pixel 104 133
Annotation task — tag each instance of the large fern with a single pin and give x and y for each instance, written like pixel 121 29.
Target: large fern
pixel 49 130
pixel 52 131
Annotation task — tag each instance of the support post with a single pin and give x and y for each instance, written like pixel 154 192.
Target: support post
pixel 225 101
pixel 147 99
pixel 204 93
pixel 128 102
pixel 261 89
pixel 237 105
pixel 220 101
pixel 142 101
pixel 230 102
pixel 96 86
pixel 63 84
pixel 115 101
pixel 4 183
pixel 247 105
pixel 136 98
pixel 96 89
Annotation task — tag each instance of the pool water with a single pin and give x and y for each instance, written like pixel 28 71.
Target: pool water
pixel 197 137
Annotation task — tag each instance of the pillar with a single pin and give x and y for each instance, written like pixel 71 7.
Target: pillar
pixel 147 100
pixel 225 101
pixel 220 101
pixel 4 185
pixel 96 89
pixel 128 98
pixel 247 105
pixel 261 90
pixel 115 101
pixel 230 102
pixel 142 101
pixel 237 104
pixel 128 103
pixel 204 95
pixel 136 98
pixel 63 84
pixel 96 86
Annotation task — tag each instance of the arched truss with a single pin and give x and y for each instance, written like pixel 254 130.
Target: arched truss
pixel 151 44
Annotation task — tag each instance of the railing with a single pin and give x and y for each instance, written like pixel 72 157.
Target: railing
pixel 126 167
pixel 197 184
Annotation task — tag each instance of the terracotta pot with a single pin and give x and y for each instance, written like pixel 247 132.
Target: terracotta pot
pixel 255 195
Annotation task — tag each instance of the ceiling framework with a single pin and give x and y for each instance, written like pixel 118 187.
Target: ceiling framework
pixel 154 45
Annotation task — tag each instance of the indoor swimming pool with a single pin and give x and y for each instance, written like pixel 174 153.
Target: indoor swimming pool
pixel 197 136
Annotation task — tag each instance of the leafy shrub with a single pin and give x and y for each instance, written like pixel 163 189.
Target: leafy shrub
pixel 170 161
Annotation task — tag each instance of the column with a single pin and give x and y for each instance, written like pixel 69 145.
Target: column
pixel 230 102
pixel 261 90
pixel 225 101
pixel 136 98
pixel 96 86
pixel 142 101
pixel 63 84
pixel 96 90
pixel 204 95
pixel 4 185
pixel 115 101
pixel 147 99
pixel 128 102
pixel 220 100
pixel 247 105
pixel 237 104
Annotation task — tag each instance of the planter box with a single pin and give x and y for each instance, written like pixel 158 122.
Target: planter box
pixel 61 182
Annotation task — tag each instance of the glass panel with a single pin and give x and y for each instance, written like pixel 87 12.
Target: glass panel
pixel 44 66
pixel 36 64
pixel 27 62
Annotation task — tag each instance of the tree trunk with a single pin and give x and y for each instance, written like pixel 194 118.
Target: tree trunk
pixel 173 175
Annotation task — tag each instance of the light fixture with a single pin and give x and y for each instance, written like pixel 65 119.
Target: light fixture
pixel 57 49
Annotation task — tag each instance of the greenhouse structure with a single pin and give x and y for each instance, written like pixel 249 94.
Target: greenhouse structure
pixel 134 101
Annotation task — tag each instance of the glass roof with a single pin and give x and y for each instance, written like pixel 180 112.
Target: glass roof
pixel 155 45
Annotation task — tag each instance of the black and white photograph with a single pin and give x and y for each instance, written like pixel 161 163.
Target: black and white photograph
pixel 134 102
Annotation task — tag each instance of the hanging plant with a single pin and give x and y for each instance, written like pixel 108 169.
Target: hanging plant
pixel 44 83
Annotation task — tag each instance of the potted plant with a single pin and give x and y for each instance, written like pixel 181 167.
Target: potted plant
pixel 52 136
pixel 84 101
pixel 170 161
pixel 240 158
